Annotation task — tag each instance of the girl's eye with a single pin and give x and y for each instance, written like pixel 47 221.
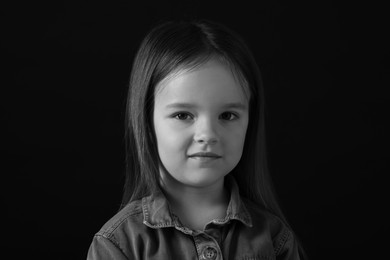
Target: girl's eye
pixel 228 116
pixel 182 116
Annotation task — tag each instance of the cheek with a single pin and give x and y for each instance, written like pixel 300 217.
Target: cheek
pixel 172 152
pixel 170 141
pixel 236 141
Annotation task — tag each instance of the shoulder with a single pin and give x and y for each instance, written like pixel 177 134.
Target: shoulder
pixel 115 239
pixel 272 226
pixel 123 224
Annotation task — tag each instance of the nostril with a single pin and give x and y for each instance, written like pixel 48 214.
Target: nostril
pixel 205 141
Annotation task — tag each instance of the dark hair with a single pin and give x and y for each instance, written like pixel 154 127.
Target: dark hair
pixel 167 48
pixel 176 45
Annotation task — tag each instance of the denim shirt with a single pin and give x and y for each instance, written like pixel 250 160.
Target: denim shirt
pixel 147 229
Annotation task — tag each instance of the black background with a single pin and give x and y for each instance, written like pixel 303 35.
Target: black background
pixel 326 71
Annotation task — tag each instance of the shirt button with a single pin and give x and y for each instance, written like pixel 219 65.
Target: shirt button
pixel 209 253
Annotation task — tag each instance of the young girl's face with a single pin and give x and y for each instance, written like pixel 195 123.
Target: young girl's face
pixel 200 121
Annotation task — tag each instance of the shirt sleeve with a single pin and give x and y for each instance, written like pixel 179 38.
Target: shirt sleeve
pixel 102 248
pixel 286 247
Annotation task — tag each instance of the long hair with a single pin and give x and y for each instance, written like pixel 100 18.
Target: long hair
pixel 177 45
pixel 174 45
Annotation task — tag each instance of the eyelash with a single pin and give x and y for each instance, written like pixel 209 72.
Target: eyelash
pixel 182 113
pixel 186 114
pixel 235 116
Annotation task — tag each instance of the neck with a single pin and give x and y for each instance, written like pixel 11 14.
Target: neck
pixel 196 206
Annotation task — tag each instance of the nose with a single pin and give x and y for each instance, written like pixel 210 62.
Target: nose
pixel 205 132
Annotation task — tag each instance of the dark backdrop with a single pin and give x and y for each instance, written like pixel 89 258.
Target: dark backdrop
pixel 326 70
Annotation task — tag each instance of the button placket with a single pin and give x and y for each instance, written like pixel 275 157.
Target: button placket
pixel 207 247
pixel 209 253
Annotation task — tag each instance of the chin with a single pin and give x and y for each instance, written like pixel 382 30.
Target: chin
pixel 203 179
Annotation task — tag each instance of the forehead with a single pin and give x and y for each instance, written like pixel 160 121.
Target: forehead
pixel 213 81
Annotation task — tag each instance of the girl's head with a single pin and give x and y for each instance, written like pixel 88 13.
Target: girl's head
pixel 179 70
pixel 195 88
pixel 200 118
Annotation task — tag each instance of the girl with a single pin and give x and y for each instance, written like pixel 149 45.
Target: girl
pixel 197 185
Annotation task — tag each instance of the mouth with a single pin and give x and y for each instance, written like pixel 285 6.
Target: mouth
pixel 204 155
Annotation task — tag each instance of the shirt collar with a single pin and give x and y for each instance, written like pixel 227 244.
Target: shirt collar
pixel 157 213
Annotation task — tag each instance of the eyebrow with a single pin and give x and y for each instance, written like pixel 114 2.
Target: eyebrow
pixel 235 105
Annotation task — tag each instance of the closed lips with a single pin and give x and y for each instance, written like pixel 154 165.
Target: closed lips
pixel 213 155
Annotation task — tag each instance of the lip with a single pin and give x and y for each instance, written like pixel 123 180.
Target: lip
pixel 205 155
